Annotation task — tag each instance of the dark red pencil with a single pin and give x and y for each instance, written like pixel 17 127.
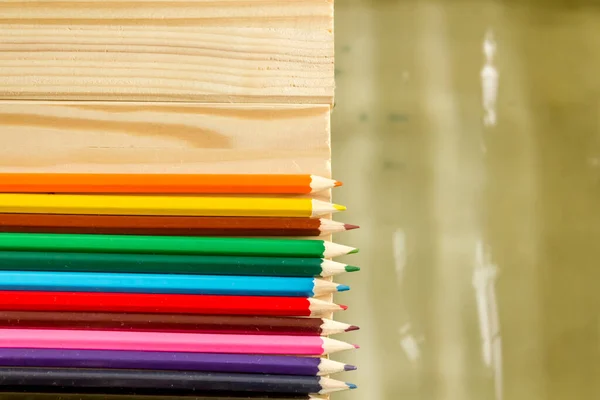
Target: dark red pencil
pixel 237 324
pixel 164 303
pixel 169 225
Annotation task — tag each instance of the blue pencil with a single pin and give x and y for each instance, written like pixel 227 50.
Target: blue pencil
pixel 167 283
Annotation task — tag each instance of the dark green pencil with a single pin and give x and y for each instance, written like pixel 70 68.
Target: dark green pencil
pixel 170 264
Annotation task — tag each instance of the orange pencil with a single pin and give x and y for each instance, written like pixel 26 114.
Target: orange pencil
pixel 163 183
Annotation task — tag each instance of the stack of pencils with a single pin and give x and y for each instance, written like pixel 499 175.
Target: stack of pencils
pixel 168 286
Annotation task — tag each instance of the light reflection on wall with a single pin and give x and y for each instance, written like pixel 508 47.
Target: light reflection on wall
pixel 489 80
pixel 485 274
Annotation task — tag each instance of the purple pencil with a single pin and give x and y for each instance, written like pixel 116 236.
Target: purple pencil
pixel 156 360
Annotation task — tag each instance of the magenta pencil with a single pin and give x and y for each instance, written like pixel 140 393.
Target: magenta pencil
pixel 161 341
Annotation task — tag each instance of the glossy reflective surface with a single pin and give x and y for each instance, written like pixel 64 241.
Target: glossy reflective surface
pixel 467 133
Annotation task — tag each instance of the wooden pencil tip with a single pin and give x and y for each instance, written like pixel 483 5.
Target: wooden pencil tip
pixel 354 251
pixel 352 328
pixel 351 386
pixel 349 227
pixel 343 307
pixel 338 184
pixel 349 367
pixel 356 346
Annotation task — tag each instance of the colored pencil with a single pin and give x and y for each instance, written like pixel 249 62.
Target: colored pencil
pixel 239 324
pixel 165 303
pixel 52 394
pixel 163 183
pixel 165 205
pixel 171 245
pixel 170 225
pixel 170 264
pixel 171 361
pixel 170 341
pixel 165 283
pixel 161 382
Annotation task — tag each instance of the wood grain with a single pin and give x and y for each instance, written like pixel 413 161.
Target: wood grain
pixel 264 51
pixel 164 137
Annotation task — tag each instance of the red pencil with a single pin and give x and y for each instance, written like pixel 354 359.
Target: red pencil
pixel 164 303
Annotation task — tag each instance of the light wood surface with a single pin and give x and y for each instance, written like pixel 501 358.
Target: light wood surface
pixel 164 138
pixel 264 51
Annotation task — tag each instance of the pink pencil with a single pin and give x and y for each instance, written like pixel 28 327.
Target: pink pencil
pixel 159 341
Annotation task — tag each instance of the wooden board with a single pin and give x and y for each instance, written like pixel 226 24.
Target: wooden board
pixel 264 51
pixel 164 137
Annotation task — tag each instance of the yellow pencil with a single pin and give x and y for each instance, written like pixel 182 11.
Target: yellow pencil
pixel 164 205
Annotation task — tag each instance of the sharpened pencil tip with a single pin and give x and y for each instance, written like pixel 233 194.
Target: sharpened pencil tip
pixel 343 288
pixel 349 367
pixel 356 346
pixel 351 268
pixel 338 184
pixel 351 385
pixel 339 207
pixel 354 251
pixel 349 227
pixel 352 328
pixel 343 307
